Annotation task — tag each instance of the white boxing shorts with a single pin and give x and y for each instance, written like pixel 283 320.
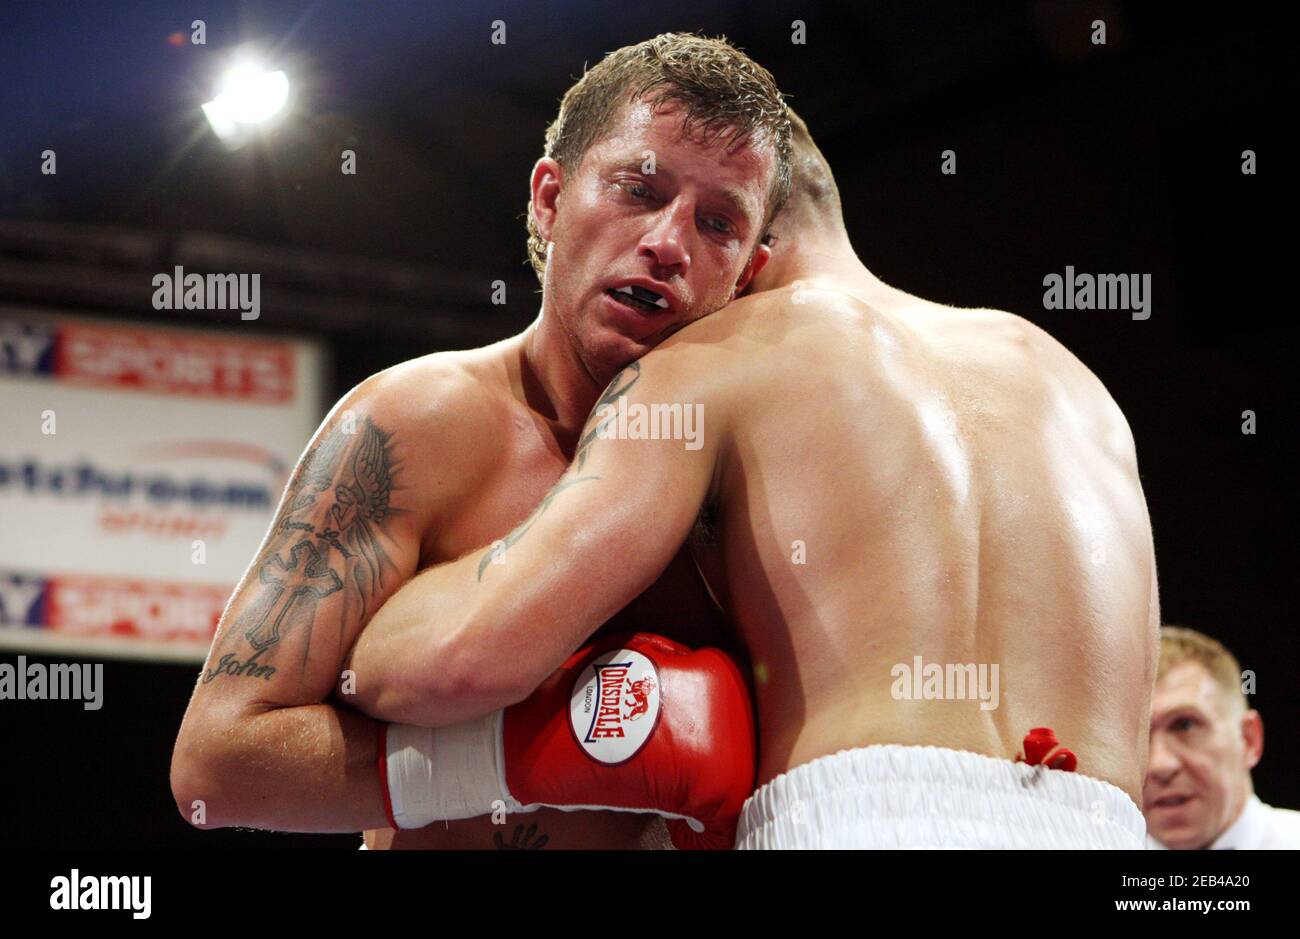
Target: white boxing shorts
pixel 893 796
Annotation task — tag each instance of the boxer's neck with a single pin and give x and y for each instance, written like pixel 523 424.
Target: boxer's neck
pixel 824 254
pixel 809 253
pixel 555 380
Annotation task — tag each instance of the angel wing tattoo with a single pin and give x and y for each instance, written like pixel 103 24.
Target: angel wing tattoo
pixel 325 539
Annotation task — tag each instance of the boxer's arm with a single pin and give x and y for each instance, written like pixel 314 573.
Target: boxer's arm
pixel 259 747
pixel 465 638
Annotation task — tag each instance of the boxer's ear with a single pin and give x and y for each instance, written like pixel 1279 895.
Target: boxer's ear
pixel 546 182
pixel 1252 732
pixel 757 261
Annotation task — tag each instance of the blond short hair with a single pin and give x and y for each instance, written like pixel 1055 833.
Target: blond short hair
pixel 1179 645
pixel 724 92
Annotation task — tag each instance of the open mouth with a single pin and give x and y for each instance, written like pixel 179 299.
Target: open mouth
pixel 1172 802
pixel 639 299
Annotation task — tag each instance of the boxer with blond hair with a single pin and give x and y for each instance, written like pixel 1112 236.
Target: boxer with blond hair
pixel 895 502
pixel 661 174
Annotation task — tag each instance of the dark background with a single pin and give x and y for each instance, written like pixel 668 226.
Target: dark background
pixel 1123 158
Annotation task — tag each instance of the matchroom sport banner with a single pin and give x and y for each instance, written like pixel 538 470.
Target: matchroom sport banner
pixel 139 468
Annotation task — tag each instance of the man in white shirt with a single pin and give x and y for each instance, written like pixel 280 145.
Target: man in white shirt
pixel 1205 739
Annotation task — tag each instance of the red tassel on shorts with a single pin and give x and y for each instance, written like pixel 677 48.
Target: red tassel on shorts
pixel 1042 748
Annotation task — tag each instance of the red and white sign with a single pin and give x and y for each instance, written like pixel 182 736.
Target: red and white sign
pixel 176 364
pixel 139 469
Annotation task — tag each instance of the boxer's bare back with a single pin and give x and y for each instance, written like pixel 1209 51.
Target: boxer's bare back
pixel 904 479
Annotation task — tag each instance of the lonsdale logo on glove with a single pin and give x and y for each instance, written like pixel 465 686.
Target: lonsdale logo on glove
pixel 633 723
pixel 615 706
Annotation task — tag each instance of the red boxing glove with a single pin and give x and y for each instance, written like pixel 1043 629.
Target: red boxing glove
pixel 639 724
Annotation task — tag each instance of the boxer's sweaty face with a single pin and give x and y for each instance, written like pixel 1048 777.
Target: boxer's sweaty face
pixel 1197 765
pixel 653 230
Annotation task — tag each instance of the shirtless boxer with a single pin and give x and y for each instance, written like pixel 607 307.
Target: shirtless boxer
pixel 882 484
pixel 430 458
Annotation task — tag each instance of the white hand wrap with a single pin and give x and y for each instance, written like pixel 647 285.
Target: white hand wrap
pixel 446 773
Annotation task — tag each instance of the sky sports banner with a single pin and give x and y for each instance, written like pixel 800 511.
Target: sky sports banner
pixel 139 468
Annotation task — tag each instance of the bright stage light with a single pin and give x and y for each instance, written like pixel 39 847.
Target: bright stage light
pixel 248 97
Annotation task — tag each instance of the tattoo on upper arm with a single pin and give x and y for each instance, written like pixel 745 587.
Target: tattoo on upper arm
pixel 599 418
pixel 324 540
pixel 512 539
pixel 602 415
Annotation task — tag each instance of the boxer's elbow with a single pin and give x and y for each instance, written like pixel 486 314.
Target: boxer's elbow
pixel 206 772
pixel 195 782
pixel 466 680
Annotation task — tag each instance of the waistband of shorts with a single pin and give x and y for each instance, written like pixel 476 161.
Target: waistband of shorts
pixel 890 795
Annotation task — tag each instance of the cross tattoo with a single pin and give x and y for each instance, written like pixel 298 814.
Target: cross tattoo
pixel 275 572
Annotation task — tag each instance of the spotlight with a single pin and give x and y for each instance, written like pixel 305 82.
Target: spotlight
pixel 248 99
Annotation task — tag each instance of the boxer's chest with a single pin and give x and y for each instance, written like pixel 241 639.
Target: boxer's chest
pixel 527 464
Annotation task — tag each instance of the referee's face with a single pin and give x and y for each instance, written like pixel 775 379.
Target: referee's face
pixel 1199 762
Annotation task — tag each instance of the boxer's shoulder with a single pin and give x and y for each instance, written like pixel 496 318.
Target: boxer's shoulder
pixel 463 391
pixel 1021 356
pixel 431 410
pixel 1061 372
pixel 439 387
